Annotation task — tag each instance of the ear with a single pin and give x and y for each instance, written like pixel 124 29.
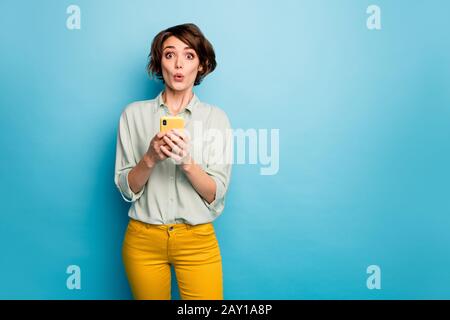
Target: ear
pixel 200 68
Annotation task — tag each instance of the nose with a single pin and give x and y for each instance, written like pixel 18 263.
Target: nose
pixel 178 63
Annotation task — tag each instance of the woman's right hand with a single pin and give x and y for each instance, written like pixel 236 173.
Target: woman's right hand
pixel 154 153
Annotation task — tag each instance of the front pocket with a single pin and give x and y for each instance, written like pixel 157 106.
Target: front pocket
pixel 203 230
pixel 133 226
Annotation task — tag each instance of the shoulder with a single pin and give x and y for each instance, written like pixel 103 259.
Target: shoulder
pixel 135 110
pixel 215 113
pixel 139 106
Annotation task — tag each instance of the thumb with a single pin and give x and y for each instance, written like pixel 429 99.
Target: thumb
pixel 160 135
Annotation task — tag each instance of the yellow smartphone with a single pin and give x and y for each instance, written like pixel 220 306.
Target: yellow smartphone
pixel 170 122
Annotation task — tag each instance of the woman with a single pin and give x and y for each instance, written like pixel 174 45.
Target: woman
pixel 176 187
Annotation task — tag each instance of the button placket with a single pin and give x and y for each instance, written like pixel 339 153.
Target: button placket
pixel 171 193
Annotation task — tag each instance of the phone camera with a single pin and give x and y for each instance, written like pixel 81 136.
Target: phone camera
pixel 164 122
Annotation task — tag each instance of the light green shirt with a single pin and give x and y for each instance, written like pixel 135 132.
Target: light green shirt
pixel 168 196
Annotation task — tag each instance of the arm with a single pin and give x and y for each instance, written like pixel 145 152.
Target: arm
pixel 131 177
pixel 139 175
pixel 201 181
pixel 125 161
pixel 211 183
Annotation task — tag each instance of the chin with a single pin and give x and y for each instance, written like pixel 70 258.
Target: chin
pixel 179 86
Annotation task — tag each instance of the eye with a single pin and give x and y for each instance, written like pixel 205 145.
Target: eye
pixel 169 55
pixel 190 56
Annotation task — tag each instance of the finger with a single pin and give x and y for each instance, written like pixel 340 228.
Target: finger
pixel 177 146
pixel 173 136
pixel 179 142
pixel 169 142
pixel 160 134
pixel 177 150
pixel 182 143
pixel 157 148
pixel 170 154
pixel 161 143
pixel 180 147
pixel 165 151
pixel 180 134
pixel 160 153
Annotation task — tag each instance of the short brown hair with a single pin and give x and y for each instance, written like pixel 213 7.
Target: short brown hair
pixel 191 35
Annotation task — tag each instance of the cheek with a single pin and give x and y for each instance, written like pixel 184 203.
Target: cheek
pixel 164 67
pixel 165 71
pixel 193 70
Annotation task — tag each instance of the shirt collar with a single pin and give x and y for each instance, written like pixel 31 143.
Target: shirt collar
pixel 190 106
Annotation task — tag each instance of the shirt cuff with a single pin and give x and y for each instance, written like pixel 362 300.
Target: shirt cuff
pixel 127 194
pixel 217 205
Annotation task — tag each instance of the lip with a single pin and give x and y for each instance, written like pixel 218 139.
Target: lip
pixel 179 77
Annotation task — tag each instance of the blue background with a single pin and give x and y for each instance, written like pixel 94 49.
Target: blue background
pixel 364 144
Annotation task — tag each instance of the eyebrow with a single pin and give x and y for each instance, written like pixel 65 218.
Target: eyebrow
pixel 172 47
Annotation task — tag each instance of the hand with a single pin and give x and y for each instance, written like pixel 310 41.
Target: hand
pixel 177 146
pixel 154 153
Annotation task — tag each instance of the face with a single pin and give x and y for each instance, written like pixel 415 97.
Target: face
pixel 180 64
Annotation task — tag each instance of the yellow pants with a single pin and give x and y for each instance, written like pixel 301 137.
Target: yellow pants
pixel 149 250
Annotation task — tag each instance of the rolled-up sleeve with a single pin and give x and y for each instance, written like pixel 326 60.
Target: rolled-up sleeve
pixel 220 168
pixel 125 161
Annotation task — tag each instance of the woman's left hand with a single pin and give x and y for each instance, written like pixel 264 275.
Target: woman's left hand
pixel 178 141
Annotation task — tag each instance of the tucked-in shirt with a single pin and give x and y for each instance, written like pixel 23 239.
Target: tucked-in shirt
pixel 168 196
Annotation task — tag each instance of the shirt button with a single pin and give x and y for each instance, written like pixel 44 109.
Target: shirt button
pixel 170 228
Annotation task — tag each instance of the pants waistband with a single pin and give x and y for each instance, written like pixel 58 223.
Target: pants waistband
pixel 170 226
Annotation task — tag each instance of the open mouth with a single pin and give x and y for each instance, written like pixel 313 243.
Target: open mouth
pixel 178 77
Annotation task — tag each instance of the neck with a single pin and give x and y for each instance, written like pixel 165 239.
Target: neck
pixel 176 100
